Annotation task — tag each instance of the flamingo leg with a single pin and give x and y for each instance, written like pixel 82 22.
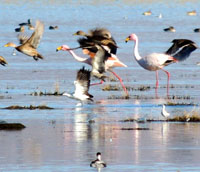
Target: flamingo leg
pixel 99 83
pixel 168 77
pixel 120 80
pixel 157 83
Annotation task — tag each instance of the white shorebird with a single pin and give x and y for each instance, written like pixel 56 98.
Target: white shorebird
pixel 82 84
pixel 164 113
pixel 98 163
pixel 179 51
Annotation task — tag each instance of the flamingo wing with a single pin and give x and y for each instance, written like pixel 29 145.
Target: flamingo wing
pixel 179 44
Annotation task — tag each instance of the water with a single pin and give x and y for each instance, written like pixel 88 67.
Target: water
pixel 65 139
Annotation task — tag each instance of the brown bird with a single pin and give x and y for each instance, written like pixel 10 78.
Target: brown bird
pixel 3 62
pixel 99 36
pixel 29 45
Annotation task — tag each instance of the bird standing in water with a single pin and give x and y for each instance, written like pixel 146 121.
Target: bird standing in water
pixel 98 163
pixel 179 51
pixel 29 45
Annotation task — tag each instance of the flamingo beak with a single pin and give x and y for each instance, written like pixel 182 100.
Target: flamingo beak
pixel 59 48
pixel 127 39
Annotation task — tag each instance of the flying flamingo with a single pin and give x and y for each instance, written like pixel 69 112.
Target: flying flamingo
pixel 112 62
pixel 156 61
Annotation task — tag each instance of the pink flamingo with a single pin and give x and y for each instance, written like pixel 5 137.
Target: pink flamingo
pixel 109 64
pixel 156 61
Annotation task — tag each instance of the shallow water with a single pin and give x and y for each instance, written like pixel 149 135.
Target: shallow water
pixel 65 139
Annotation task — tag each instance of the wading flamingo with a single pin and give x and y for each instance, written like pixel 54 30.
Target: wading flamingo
pixel 179 51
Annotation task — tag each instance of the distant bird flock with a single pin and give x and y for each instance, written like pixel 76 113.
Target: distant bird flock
pixel 101 48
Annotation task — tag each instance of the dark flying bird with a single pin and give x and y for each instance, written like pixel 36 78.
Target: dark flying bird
pixel 99 36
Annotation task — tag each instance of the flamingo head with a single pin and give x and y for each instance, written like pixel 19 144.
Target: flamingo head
pixel 63 48
pixel 131 37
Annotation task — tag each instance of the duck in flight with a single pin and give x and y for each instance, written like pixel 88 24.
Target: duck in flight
pixel 29 45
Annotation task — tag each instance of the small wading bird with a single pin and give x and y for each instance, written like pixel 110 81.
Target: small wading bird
pixel 164 113
pixel 97 37
pixel 98 163
pixel 29 45
pixel 179 51
pixel 3 62
pixel 82 85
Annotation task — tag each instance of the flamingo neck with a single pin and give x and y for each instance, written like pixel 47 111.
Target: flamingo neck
pixel 78 58
pixel 136 52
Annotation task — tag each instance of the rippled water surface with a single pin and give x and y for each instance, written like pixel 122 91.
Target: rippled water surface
pixel 67 137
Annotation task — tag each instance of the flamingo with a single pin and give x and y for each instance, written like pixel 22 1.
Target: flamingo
pixel 98 163
pixel 112 62
pixel 157 61
pixel 82 85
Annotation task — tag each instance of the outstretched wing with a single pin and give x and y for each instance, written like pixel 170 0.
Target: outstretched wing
pixel 82 84
pixel 98 62
pixel 34 40
pixel 22 38
pixel 185 52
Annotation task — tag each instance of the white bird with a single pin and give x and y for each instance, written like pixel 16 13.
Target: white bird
pixel 164 113
pixel 98 163
pixel 82 84
pixel 179 51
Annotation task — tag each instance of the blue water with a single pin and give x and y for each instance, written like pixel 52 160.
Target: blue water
pixel 65 139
